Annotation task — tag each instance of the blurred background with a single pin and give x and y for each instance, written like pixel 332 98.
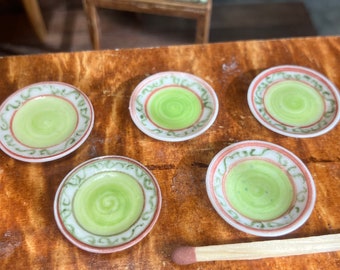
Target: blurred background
pixel 231 20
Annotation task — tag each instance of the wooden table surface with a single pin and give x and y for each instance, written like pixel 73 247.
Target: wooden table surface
pixel 29 237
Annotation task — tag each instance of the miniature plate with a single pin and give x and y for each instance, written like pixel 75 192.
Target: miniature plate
pixel 294 101
pixel 45 121
pixel 173 106
pixel 260 188
pixel 107 204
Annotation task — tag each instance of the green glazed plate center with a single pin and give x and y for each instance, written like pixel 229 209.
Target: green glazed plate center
pixel 259 189
pixel 174 108
pixel 108 203
pixel 294 103
pixel 44 122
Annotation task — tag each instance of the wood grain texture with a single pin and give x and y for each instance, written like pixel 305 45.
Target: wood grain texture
pixel 29 237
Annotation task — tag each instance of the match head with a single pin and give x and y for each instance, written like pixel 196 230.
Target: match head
pixel 184 255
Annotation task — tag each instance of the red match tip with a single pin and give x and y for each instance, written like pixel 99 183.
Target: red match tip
pixel 184 255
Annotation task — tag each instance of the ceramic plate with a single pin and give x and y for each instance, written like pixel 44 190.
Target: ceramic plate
pixel 107 204
pixel 294 101
pixel 173 106
pixel 45 121
pixel 260 188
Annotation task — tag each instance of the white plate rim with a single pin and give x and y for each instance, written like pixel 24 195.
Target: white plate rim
pixel 301 69
pixel 84 110
pixel 170 135
pixel 223 154
pixel 129 162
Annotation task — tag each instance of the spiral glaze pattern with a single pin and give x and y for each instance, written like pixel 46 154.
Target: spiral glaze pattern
pixel 294 103
pixel 44 122
pixel 108 203
pixel 174 108
pixel 259 190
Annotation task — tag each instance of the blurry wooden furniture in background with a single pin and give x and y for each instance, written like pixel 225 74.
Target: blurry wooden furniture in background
pixel 33 12
pixel 200 10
